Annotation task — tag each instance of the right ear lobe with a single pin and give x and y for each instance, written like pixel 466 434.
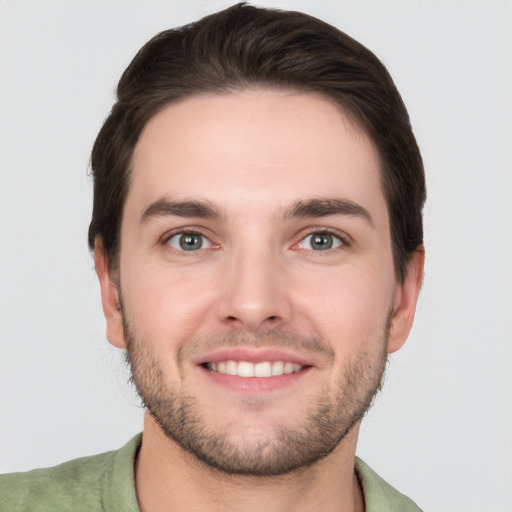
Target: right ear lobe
pixel 109 296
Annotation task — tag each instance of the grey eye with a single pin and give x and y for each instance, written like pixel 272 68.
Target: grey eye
pixel 320 242
pixel 189 242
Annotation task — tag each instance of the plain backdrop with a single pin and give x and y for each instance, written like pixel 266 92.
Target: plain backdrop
pixel 441 430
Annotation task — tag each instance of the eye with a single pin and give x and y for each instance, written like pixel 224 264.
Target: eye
pixel 320 242
pixel 189 242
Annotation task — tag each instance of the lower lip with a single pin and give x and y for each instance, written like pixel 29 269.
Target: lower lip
pixel 254 384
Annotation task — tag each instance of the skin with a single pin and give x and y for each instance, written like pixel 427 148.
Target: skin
pixel 252 156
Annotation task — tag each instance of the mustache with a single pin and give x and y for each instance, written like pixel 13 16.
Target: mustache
pixel 271 338
pixel 278 338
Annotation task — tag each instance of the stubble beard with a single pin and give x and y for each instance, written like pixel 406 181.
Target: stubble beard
pixel 327 419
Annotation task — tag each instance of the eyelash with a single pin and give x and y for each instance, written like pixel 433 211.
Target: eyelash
pixel 185 231
pixel 342 237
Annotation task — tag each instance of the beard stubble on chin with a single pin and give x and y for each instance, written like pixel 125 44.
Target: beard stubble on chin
pixel 327 418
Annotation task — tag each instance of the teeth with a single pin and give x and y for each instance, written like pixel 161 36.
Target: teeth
pixel 277 368
pixel 263 369
pixel 231 368
pixel 247 369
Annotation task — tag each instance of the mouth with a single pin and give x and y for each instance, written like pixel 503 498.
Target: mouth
pixel 253 370
pixel 263 369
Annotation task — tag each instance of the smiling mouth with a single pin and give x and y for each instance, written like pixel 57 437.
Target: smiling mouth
pixel 248 369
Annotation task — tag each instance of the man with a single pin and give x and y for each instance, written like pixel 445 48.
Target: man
pixel 257 235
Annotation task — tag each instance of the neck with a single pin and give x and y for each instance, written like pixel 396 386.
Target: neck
pixel 169 478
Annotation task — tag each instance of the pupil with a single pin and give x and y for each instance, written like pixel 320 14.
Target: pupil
pixel 322 242
pixel 190 242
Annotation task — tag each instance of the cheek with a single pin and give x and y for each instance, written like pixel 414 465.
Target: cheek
pixel 163 302
pixel 348 307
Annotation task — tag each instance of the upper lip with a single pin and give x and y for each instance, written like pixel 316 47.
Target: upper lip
pixel 252 355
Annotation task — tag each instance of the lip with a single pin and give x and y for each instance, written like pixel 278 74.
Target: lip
pixel 253 384
pixel 252 355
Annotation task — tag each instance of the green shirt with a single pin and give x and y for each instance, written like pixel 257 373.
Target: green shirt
pixel 106 483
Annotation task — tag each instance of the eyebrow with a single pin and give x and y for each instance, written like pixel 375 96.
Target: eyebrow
pixel 300 209
pixel 324 207
pixel 187 208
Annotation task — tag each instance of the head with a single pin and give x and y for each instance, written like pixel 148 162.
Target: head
pixel 245 47
pixel 257 226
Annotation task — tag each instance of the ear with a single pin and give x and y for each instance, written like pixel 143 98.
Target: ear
pixel 109 297
pixel 405 301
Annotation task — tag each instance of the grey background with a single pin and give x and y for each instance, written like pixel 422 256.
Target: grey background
pixel 441 430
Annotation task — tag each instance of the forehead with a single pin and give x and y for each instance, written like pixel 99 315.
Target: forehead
pixel 253 148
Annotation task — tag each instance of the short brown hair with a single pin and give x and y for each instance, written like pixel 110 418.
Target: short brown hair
pixel 243 47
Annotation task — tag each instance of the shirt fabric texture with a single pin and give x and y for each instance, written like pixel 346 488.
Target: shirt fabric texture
pixel 106 483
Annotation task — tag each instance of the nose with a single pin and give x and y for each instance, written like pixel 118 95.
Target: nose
pixel 254 294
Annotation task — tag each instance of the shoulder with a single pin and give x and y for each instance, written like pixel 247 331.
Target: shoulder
pixel 379 495
pixel 77 481
pixel 80 484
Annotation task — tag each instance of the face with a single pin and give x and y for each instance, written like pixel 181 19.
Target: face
pixel 256 280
